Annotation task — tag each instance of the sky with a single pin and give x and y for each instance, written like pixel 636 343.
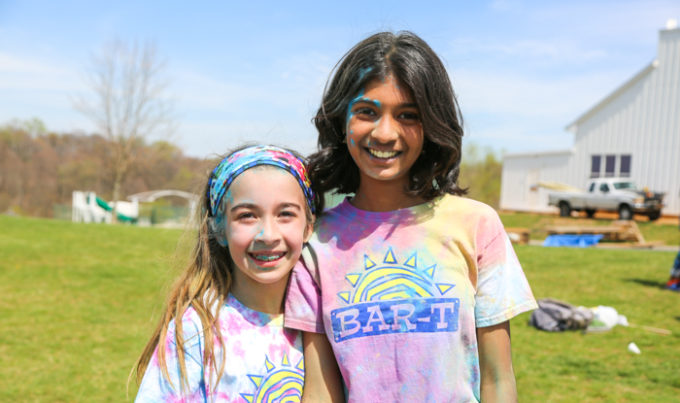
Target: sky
pixel 255 71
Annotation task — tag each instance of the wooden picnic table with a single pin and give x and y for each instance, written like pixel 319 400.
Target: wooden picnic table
pixel 618 231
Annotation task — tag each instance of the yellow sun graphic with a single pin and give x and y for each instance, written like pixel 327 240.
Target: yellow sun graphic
pixel 280 384
pixel 390 280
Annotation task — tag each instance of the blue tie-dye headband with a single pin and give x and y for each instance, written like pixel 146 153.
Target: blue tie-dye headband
pixel 233 165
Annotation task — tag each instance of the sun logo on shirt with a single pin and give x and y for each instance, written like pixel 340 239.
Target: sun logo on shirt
pixel 280 384
pixel 389 280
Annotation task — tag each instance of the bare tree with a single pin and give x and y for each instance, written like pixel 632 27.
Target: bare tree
pixel 127 102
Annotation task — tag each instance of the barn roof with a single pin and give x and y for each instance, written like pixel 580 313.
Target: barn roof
pixel 613 95
pixel 671 33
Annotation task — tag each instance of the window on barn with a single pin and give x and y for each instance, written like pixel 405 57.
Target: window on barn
pixel 609 165
pixel 595 161
pixel 624 168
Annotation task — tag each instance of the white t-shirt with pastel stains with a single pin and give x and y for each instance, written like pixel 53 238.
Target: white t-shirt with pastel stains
pixel 264 361
pixel 400 294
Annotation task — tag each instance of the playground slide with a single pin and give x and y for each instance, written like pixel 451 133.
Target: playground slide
pixel 121 217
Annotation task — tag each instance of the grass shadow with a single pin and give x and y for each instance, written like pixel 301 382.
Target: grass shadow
pixel 648 283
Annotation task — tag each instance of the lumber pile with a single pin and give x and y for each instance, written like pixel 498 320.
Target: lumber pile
pixel 518 235
pixel 617 231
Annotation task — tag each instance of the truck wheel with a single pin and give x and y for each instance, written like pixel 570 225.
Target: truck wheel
pixel 565 209
pixel 625 213
pixel 590 212
pixel 654 215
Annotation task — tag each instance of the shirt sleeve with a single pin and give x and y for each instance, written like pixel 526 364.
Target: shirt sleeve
pixel 502 288
pixel 155 387
pixel 303 309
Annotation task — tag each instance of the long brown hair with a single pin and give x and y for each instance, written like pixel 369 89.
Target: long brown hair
pixel 203 285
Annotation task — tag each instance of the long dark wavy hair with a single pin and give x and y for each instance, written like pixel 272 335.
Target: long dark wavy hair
pixel 414 64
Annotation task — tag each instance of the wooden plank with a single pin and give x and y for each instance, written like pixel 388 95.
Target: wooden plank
pixel 618 231
pixel 518 235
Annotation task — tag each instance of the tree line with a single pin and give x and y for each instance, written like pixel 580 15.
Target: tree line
pixel 127 102
pixel 39 169
pixel 480 172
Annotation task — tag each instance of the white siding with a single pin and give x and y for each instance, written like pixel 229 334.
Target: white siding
pixel 641 118
pixel 521 174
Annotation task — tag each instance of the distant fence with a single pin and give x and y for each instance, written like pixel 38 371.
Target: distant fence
pixel 162 214
pixel 150 213
pixel 62 212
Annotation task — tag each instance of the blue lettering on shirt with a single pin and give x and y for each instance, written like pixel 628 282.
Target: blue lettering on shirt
pixel 426 315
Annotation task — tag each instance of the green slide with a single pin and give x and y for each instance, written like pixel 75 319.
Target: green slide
pixel 121 217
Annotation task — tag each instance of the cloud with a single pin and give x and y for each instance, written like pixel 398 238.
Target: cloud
pixel 522 112
pixel 214 112
pixel 22 73
pixel 272 105
pixel 283 83
pixel 526 96
pixel 32 87
pixel 204 139
pixel 517 138
pixel 524 52
pixel 15 64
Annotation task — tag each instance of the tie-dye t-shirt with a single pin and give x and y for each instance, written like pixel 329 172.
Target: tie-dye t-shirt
pixel 400 295
pixel 263 360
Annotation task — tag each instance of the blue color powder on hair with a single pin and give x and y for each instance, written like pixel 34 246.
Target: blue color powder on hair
pixel 363 71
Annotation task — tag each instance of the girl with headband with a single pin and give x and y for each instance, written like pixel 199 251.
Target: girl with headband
pixel 221 337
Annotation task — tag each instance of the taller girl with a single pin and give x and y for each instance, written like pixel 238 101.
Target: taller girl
pixel 412 284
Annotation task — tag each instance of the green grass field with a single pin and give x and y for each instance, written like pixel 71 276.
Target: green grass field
pixel 78 302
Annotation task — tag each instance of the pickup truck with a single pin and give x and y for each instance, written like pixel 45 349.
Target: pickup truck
pixel 609 194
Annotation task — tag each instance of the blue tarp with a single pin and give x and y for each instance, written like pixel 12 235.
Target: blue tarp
pixel 573 240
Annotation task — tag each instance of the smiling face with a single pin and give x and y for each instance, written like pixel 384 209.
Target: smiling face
pixel 384 132
pixel 266 225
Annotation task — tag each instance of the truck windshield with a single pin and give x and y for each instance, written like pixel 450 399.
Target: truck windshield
pixel 624 185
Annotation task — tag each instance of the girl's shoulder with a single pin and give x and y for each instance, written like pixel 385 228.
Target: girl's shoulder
pixel 474 218
pixel 193 325
pixel 464 207
pixel 190 327
pixel 447 207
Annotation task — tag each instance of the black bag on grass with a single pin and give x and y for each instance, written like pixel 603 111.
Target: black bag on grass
pixel 557 316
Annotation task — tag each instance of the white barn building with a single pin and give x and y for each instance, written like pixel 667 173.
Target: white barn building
pixel 634 132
